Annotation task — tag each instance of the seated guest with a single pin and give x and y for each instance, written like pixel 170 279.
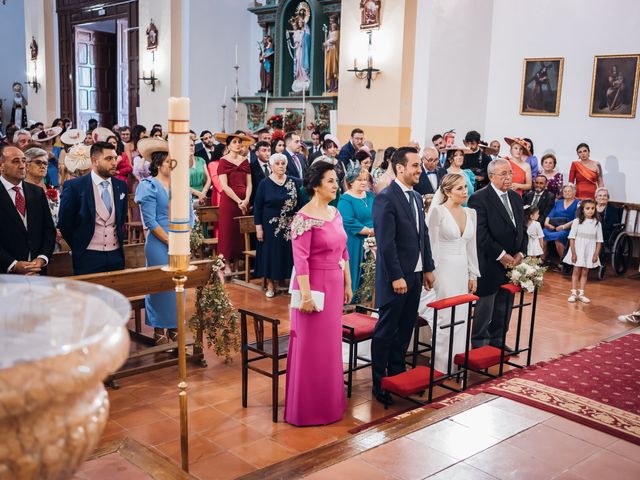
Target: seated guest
pixel 585 173
pixel 559 220
pixel 455 159
pixel 27 236
pixel 476 160
pixel 277 200
pixel 356 207
pixel 518 154
pixel 431 173
pixel 610 216
pixel 554 178
pixel 532 160
pixel 153 196
pixel 540 197
pixel 199 180
pixel 348 151
pixel 260 168
pixel 93 212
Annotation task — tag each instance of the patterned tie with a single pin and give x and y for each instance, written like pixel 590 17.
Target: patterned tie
pixel 21 206
pixel 106 198
pixel 505 200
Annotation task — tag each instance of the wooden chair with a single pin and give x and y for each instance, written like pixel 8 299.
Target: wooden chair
pixel 357 327
pixel 208 217
pixel 275 348
pixel 134 227
pixel 247 227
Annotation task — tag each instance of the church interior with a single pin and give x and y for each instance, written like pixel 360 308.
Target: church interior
pixel 184 358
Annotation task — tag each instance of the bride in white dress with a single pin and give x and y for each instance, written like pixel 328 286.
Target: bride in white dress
pixel 452 233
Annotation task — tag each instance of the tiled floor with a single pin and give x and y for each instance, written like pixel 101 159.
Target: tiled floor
pixel 227 440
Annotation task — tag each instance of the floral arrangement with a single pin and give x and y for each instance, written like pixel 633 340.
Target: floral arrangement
pixel 196 238
pixel 275 121
pixel 277 134
pixel 52 194
pixel 320 125
pixel 529 274
pixel 368 277
pixel 216 315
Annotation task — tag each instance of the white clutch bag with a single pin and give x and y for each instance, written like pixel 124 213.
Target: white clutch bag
pixel 318 299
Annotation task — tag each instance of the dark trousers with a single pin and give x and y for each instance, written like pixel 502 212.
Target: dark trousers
pixel 489 319
pixel 392 334
pixel 92 261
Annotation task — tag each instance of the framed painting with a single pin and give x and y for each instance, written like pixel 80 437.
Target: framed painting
pixel 614 86
pixel 541 86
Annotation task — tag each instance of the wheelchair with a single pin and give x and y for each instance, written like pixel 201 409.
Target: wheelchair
pixel 620 242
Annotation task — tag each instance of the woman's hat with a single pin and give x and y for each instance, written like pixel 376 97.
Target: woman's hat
pixel 148 145
pixel 222 138
pixel 487 149
pixel 520 142
pixel 464 150
pixel 78 158
pixel 44 135
pixel 72 136
pixel 333 138
pixel 101 134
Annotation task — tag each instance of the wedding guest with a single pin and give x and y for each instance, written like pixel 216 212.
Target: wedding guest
pixel 124 167
pixel 383 175
pixel 140 165
pixel 234 173
pixel 476 159
pixel 502 243
pixel 199 180
pixel 153 197
pixel 331 147
pixel 212 167
pixel 518 155
pixel 610 218
pixel 495 146
pixel 356 207
pixel 77 161
pixel 431 173
pixel 535 245
pixel 585 173
pixel 452 235
pixel 363 157
pixel 455 159
pixel 276 202
pixel 315 390
pixel 441 146
pixel 156 132
pixel 554 178
pixel 560 218
pixel 44 139
pixel 532 160
pixel 296 160
pixel 36 174
pixel 260 168
pixel 349 149
pixel 277 146
pixel 540 197
pixel 27 236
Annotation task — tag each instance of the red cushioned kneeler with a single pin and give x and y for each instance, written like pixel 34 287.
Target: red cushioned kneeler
pixel 409 382
pixel 362 324
pixel 481 358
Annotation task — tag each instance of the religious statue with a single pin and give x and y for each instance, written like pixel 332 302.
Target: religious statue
pixel 266 64
pixel 299 46
pixel 19 107
pixel 152 36
pixel 33 48
pixel 369 14
pixel 615 89
pixel 331 55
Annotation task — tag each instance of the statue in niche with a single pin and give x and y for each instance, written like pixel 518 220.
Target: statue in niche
pixel 299 46
pixel 152 36
pixel 331 55
pixel 370 14
pixel 33 48
pixel 266 64
pixel 19 106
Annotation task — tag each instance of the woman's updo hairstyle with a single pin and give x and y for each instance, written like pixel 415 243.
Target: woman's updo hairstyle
pixel 314 175
pixel 157 159
pixel 447 183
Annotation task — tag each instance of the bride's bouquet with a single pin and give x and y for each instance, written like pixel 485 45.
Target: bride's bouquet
pixel 529 274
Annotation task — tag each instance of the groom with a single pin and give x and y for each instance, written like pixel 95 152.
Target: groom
pixel 403 265
pixel 502 243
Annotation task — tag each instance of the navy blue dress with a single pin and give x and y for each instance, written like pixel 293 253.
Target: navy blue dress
pixel 274 208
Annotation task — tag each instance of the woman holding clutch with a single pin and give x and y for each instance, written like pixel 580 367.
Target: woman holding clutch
pixel 315 389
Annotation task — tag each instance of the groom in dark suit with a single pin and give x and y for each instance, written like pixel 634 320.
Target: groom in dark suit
pixel 93 212
pixel 403 265
pixel 502 243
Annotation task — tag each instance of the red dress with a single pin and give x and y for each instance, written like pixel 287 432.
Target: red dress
pixel 230 242
pixel 519 175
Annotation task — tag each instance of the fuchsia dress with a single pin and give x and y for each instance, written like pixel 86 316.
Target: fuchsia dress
pixel 315 388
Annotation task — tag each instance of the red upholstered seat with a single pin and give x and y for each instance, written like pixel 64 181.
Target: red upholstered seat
pixel 453 301
pixel 363 325
pixel 409 382
pixel 480 358
pixel 511 288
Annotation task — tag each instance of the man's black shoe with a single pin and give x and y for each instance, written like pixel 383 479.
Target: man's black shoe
pixel 383 397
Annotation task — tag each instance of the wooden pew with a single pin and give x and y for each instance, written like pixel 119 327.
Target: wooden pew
pixel 208 216
pixel 60 264
pixel 247 227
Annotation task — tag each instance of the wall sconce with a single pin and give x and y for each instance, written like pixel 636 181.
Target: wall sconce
pixel 368 73
pixel 33 81
pixel 149 76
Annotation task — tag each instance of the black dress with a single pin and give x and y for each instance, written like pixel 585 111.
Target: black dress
pixel 273 209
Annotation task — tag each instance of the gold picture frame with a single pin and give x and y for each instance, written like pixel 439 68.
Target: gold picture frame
pixel 541 86
pixel 614 93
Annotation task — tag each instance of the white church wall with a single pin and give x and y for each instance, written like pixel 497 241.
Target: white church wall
pixel 12 37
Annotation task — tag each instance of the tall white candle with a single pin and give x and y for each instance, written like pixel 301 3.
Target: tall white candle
pixel 236 54
pixel 224 97
pixel 179 152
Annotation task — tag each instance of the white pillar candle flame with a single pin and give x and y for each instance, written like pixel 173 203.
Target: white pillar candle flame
pixel 179 153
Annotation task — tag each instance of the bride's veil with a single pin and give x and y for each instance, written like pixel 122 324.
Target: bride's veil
pixel 438 199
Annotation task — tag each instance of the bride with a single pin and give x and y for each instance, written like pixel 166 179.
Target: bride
pixel 452 233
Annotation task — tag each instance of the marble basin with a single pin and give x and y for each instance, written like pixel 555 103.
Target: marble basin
pixel 59 339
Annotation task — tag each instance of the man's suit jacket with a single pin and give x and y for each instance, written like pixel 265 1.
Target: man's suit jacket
pixel 16 241
pixel 77 214
pixel 398 241
pixel 424 186
pixel 292 170
pixel 347 152
pixel 545 204
pixel 495 233
pixel 257 175
pixel 313 156
pixel 203 153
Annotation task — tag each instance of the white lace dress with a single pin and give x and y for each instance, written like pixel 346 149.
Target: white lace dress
pixel 585 235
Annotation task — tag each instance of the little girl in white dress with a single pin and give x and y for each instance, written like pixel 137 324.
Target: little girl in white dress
pixel 534 232
pixel 585 239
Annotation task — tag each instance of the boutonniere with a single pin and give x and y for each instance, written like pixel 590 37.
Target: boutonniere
pixel 122 196
pixel 52 194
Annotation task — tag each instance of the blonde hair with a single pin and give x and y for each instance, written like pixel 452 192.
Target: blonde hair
pixel 447 183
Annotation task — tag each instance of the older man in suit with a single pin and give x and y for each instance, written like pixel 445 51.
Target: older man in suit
pixel 502 243
pixel 540 197
pixel 348 151
pixel 403 265
pixel 93 211
pixel 27 232
pixel 431 173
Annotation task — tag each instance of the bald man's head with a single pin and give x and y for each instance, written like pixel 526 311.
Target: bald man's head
pixel 430 156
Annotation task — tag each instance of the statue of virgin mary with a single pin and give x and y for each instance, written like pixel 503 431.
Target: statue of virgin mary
pixel 299 46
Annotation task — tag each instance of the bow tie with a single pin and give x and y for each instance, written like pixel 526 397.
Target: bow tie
pixel 429 172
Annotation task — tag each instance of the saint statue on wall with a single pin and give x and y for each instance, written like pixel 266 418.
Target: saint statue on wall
pixel 299 47
pixel 19 106
pixel 266 64
pixel 331 55
pixel 369 14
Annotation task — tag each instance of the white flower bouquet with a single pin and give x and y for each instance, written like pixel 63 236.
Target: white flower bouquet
pixel 528 275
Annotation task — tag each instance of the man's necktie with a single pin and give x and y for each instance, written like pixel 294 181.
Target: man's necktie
pixel 411 202
pixel 266 170
pixel 536 199
pixel 106 198
pixel 21 205
pixel 298 164
pixel 507 205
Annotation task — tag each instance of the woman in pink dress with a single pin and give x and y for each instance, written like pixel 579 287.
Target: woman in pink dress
pixel 315 382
